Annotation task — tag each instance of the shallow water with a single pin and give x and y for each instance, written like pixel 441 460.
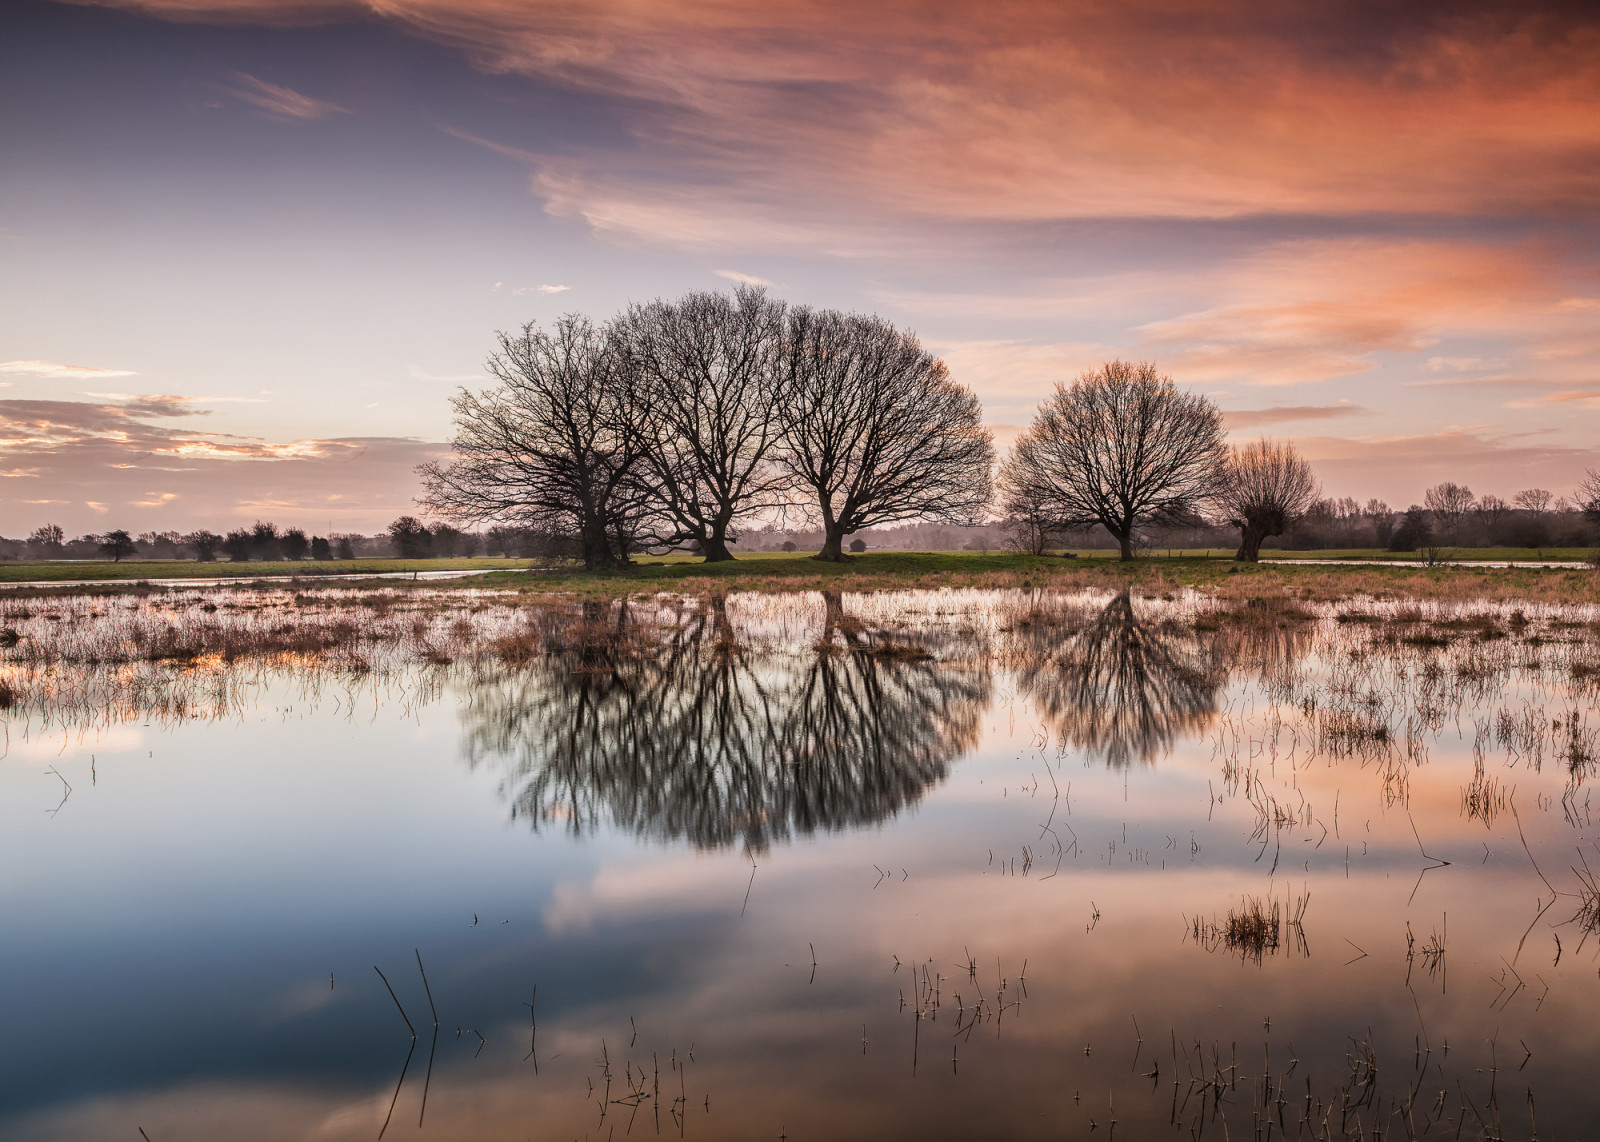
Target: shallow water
pixel 920 865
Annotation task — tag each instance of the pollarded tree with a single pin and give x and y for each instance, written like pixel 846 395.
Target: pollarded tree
pixel 1265 487
pixel 875 430
pixel 707 368
pixel 555 449
pixel 1122 446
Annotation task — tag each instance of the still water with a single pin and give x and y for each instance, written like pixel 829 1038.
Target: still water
pixel 907 865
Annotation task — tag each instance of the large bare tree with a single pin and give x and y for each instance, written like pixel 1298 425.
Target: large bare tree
pixel 1265 487
pixel 876 431
pixel 1449 504
pixel 708 373
pixel 1121 446
pixel 556 447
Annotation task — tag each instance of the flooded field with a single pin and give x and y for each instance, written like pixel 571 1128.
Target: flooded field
pixel 283 864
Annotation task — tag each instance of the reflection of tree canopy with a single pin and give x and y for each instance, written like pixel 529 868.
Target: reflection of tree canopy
pixel 1119 687
pixel 687 734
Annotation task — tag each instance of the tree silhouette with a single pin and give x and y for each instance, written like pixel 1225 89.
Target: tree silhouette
pixel 875 431
pixel 555 448
pixel 708 369
pixel 117 545
pixel 1265 487
pixel 1121 446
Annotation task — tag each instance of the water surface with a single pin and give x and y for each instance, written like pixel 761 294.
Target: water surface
pixel 920 865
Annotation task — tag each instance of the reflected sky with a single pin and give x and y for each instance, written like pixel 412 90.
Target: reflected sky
pixel 829 817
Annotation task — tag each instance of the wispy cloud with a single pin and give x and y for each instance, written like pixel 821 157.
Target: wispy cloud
pixel 56 370
pixel 279 100
pixel 520 290
pixel 1285 414
pixel 744 279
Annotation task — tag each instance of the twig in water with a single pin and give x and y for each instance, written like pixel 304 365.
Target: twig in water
pixel 426 990
pixel 396 999
pixel 64 795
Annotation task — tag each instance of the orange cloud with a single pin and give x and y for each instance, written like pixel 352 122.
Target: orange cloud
pixel 1023 109
pixel 1336 303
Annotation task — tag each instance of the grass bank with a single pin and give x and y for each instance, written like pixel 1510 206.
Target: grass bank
pixel 887 570
pixel 898 570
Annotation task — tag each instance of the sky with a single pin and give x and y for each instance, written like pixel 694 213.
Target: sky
pixel 250 248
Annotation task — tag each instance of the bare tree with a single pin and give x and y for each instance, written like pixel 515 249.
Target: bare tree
pixel 1588 496
pixel 1449 504
pixel 1027 524
pixel 1121 446
pixel 708 373
pixel 876 430
pixel 1265 487
pixel 205 544
pixel 117 545
pixel 1535 500
pixel 47 542
pixel 555 448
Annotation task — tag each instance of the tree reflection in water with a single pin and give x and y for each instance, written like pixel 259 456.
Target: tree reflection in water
pixel 683 732
pixel 1118 687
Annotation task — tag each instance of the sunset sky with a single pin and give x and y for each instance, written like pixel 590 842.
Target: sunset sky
pixel 251 247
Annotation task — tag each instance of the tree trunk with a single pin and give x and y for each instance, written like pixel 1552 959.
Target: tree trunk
pixel 715 549
pixel 1249 545
pixel 832 546
pixel 1126 540
pixel 597 552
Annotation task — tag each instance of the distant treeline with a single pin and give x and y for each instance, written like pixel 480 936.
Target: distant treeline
pixel 1534 518
pixel 407 538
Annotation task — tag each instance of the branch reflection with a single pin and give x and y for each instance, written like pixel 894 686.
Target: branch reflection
pixel 683 732
pixel 1119 687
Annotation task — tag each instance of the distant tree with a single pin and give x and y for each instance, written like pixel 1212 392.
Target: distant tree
pixel 789 545
pixel 321 551
pixel 117 545
pixel 47 542
pixel 294 545
pixel 557 447
pixel 1380 519
pixel 411 538
pixel 875 430
pixel 161 544
pixel 1265 487
pixel 858 545
pixel 205 545
pixel 344 549
pixel 236 545
pixel 1121 446
pixel 1588 496
pixel 709 374
pixel 1026 521
pixel 1414 530
pixel 1535 500
pixel 447 540
pixel 1449 504
pixel 265 543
